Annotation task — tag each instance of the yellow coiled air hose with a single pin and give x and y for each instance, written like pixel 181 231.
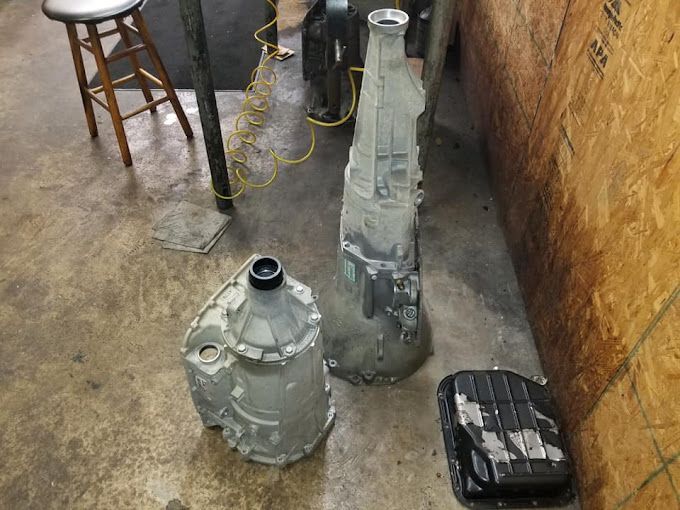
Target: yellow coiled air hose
pixel 253 109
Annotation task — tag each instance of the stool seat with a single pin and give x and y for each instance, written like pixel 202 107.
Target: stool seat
pixel 88 11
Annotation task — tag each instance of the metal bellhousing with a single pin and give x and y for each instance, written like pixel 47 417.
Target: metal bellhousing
pixel 254 362
pixel 376 330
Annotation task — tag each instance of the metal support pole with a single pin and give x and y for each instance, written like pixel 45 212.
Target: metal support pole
pixel 437 43
pixel 272 33
pixel 201 74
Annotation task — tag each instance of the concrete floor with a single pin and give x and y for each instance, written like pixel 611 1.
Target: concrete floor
pixel 94 408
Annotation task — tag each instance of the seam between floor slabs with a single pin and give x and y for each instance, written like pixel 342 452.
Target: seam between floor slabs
pixel 626 362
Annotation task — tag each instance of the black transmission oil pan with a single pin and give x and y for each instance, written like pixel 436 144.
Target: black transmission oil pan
pixel 502 441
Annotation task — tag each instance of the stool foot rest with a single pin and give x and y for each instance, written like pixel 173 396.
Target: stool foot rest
pixel 146 107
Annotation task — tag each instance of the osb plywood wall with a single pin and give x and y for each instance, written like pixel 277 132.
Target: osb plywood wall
pixel 578 102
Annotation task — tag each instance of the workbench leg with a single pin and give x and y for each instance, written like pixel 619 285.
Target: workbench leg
pixel 201 74
pixel 437 44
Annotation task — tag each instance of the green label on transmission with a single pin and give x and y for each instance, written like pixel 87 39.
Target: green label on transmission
pixel 350 270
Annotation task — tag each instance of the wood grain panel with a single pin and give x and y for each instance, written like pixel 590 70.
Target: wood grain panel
pixel 655 372
pixel 607 471
pixel 477 27
pixel 507 134
pixel 602 254
pixel 544 21
pixel 674 472
pixel 589 191
pixel 526 66
pixel 658 493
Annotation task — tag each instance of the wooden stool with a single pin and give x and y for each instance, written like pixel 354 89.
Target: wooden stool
pixel 90 13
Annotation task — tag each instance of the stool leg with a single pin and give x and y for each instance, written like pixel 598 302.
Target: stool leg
pixel 162 73
pixel 125 37
pixel 82 78
pixel 110 93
